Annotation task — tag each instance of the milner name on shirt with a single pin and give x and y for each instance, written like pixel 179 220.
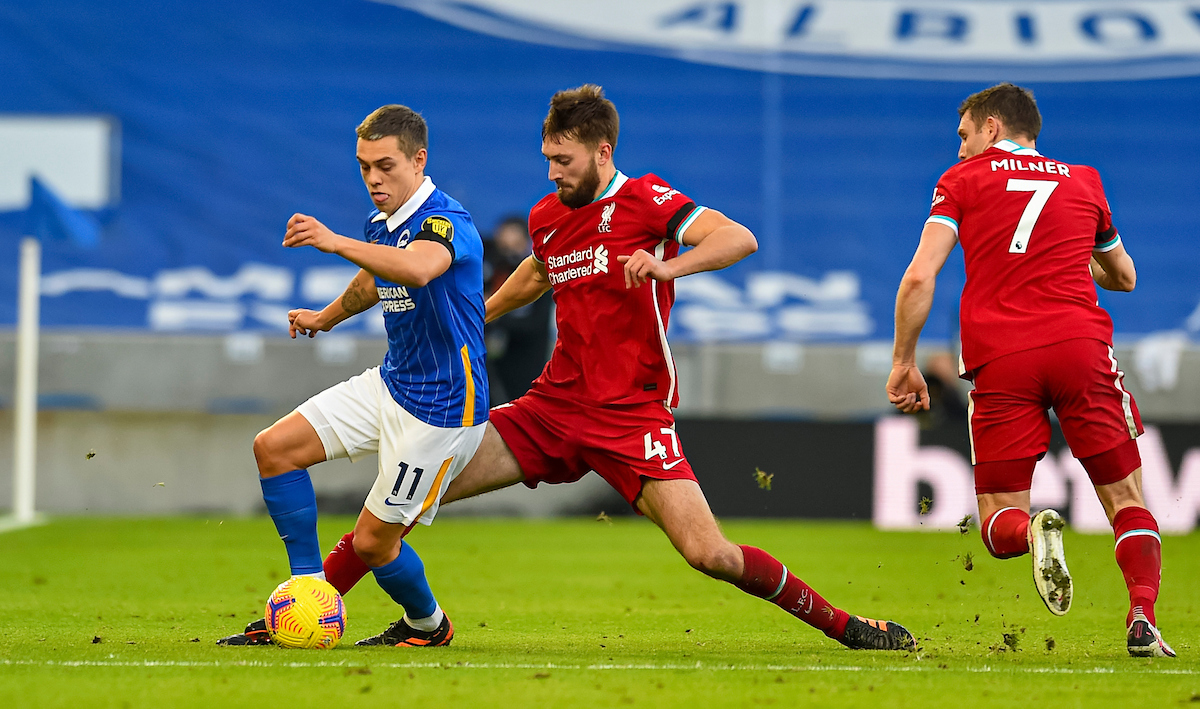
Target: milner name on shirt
pixel 1015 164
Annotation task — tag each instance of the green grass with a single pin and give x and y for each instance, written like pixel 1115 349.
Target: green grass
pixel 576 613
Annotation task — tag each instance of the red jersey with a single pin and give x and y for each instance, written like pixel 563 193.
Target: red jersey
pixel 1028 226
pixel 612 341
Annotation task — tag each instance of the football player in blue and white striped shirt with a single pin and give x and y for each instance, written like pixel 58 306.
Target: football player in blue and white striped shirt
pixel 424 410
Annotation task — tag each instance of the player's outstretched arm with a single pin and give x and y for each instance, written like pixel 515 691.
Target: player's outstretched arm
pixel 358 296
pixel 718 240
pixel 526 284
pixel 1113 270
pixel 906 387
pixel 415 265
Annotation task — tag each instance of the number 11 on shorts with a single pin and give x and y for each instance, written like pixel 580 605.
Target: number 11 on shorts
pixel 656 447
pixel 400 480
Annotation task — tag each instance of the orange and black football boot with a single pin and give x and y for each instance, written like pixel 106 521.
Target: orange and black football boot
pixel 866 634
pixel 254 634
pixel 401 634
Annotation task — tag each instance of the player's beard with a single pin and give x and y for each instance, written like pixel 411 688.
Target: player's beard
pixel 585 192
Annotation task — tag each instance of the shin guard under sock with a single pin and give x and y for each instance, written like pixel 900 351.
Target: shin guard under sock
pixel 293 507
pixel 404 580
pixel 765 577
pixel 1139 554
pixel 343 567
pixel 1006 533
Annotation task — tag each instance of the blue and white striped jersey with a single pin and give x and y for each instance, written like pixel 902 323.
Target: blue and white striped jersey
pixel 436 364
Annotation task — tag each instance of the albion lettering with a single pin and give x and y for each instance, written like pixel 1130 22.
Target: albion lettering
pixel 944 40
pixel 1046 166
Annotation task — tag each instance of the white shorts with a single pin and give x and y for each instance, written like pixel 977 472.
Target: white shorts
pixel 417 461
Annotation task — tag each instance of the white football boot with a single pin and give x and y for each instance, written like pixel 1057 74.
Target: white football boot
pixel 1050 574
pixel 1144 640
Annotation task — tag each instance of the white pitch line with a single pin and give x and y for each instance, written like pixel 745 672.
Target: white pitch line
pixel 985 669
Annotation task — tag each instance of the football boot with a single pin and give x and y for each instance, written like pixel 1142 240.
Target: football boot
pixel 255 634
pixel 401 634
pixel 1050 574
pixel 1144 640
pixel 866 634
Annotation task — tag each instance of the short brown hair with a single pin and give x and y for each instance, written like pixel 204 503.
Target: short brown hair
pixel 400 121
pixel 582 114
pixel 1013 105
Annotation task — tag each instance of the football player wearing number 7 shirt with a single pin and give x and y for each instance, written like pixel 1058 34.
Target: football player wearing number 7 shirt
pixel 1035 234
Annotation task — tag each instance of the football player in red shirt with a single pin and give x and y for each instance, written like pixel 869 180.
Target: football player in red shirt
pixel 609 247
pixel 1036 233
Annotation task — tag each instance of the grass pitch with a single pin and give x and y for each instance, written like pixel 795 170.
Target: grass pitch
pixel 124 613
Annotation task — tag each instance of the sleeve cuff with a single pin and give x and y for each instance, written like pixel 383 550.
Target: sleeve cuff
pixel 1108 245
pixel 946 221
pixel 688 222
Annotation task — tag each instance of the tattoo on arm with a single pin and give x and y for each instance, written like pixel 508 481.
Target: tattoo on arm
pixel 356 298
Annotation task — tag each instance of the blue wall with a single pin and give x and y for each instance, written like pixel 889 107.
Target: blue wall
pixel 234 115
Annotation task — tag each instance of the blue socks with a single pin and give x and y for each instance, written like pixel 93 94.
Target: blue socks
pixel 293 505
pixel 404 580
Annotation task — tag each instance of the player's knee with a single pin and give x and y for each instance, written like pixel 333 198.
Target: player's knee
pixel 717 560
pixel 273 455
pixel 266 453
pixel 370 549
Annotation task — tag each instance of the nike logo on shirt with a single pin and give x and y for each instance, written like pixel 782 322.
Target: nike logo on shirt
pixel 547 237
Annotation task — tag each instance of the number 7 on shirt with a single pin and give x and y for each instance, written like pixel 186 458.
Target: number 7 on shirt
pixel 1041 190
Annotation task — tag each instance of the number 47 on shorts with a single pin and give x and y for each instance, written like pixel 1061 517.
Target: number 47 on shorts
pixel 655 447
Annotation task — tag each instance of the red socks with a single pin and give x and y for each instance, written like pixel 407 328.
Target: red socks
pixel 343 568
pixel 1006 533
pixel 1139 554
pixel 765 577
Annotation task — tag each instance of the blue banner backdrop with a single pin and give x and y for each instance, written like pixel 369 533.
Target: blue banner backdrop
pixel 231 116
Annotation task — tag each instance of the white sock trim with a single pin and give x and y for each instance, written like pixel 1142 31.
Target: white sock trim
pixel 992 522
pixel 426 625
pixel 782 583
pixel 1137 533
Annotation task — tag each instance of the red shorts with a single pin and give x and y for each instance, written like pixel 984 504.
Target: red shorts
pixel 1079 379
pixel 557 440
